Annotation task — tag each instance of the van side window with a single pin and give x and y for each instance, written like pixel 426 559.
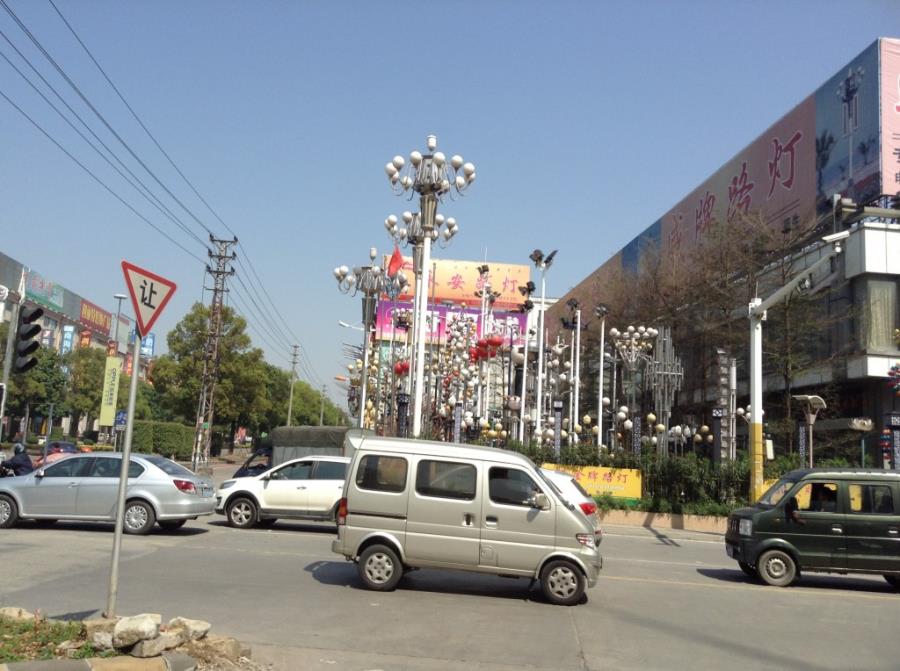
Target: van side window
pixel 381 473
pixel 873 499
pixel 330 470
pixel 446 479
pixel 817 497
pixel 511 486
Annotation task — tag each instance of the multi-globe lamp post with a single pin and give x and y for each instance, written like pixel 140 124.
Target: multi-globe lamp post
pixel 431 176
pixel 633 345
pixel 370 281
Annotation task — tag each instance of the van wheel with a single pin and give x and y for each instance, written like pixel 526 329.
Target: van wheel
pixel 242 513
pixel 562 583
pixel 748 569
pixel 380 568
pixel 777 568
pixel 9 513
pixel 893 580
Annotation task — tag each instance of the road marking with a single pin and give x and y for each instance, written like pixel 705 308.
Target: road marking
pixel 616 559
pixel 674 538
pixel 762 589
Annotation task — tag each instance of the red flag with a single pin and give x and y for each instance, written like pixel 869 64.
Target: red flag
pixel 396 263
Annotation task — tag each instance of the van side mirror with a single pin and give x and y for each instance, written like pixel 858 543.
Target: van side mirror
pixel 39 473
pixel 540 501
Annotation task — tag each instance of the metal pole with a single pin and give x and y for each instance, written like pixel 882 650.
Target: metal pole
pixel 7 358
pixel 810 420
pixel 293 375
pixel 540 354
pixel 600 383
pixel 123 482
pixel 427 212
pixel 47 435
pixel 756 405
pixel 364 377
pixel 577 366
pixel 322 408
pixel 522 405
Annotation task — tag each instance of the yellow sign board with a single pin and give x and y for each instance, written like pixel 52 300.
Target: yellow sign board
pixel 624 483
pixel 110 390
pixel 457 281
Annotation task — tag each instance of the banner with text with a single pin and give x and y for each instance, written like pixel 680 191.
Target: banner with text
pixel 110 390
pixel 623 483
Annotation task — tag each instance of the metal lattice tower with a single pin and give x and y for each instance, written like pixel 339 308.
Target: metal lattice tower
pixel 206 408
pixel 666 375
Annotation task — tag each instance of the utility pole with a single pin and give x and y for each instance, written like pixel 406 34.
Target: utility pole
pixel 322 408
pixel 206 409
pixel 294 356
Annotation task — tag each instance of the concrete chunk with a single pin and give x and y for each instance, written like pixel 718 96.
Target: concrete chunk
pixel 194 629
pixel 130 630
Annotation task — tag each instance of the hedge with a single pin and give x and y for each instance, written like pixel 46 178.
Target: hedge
pixel 169 439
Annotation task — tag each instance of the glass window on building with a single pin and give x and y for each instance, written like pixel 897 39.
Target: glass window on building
pixel 879 315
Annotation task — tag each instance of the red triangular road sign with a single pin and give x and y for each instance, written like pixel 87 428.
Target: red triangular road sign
pixel 149 295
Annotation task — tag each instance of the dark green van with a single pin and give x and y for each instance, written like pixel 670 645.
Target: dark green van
pixel 827 520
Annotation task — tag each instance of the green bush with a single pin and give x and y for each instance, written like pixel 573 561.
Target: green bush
pixel 169 439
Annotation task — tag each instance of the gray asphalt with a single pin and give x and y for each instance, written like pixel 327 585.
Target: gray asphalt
pixel 667 600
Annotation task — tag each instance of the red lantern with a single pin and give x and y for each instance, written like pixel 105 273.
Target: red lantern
pixel 495 341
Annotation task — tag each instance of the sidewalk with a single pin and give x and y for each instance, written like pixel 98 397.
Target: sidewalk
pixel 168 662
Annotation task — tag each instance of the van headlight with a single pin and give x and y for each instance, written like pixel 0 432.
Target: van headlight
pixel 745 527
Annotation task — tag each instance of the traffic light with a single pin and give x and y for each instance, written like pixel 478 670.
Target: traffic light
pixel 26 345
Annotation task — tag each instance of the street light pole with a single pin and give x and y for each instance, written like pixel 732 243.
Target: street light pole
pixel 428 175
pixel 601 311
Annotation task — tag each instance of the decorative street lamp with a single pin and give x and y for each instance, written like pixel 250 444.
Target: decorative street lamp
pixel 601 311
pixel 430 176
pixel 633 344
pixel 371 281
pixel 542 263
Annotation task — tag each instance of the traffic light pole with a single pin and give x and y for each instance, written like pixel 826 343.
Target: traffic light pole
pixel 7 362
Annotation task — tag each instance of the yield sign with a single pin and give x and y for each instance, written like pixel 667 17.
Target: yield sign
pixel 149 295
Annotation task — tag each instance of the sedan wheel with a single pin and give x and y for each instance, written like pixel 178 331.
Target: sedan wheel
pixel 562 583
pixel 242 513
pixel 8 512
pixel 139 518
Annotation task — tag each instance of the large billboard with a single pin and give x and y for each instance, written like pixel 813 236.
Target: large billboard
pixel 510 325
pixel 843 138
pixel 43 291
pixel 94 317
pixel 457 282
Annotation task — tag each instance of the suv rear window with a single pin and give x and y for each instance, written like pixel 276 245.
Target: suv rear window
pixel 381 473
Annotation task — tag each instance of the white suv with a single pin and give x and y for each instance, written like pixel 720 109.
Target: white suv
pixel 300 489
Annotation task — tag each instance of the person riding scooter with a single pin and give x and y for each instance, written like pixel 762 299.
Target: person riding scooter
pixel 20 464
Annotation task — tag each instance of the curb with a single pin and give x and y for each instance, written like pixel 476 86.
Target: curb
pixel 167 662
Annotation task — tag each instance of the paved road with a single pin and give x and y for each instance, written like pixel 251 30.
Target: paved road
pixel 665 601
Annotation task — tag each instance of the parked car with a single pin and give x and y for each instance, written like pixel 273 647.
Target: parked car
pixel 826 520
pixel 411 504
pixel 85 487
pixel 300 489
pixel 571 490
pixel 57 450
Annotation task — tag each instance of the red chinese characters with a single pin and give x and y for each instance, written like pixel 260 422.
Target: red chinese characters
pixel 703 215
pixel 782 152
pixel 739 191
pixel 456 282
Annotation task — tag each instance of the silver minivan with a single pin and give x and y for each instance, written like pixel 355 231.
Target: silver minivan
pixel 419 504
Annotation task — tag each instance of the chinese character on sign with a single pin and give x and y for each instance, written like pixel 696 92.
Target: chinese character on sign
pixel 739 193
pixel 675 233
pixel 481 281
pixel 148 291
pixel 608 477
pixel 703 214
pixel 780 151
pixel 510 284
pixel 456 282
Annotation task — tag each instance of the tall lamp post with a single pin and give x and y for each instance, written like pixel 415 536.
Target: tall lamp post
pixel 632 345
pixel 428 175
pixel 601 311
pixel 371 281
pixel 542 263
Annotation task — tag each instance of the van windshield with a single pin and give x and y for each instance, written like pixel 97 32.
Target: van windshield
pixel 776 492
pixel 552 485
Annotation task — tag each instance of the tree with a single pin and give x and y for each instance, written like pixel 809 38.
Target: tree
pixel 86 367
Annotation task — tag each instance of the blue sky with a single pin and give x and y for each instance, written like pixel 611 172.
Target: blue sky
pixel 586 121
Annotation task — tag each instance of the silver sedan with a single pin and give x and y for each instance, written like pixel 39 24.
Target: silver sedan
pixel 84 487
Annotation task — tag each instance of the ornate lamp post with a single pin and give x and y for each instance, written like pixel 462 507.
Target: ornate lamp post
pixel 542 263
pixel 430 176
pixel 632 344
pixel 371 281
